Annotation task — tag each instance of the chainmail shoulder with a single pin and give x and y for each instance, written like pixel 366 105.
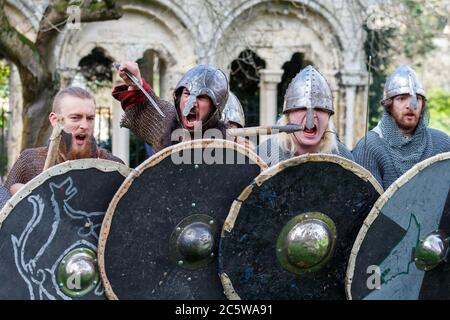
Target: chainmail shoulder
pixel 29 164
pixel 343 151
pixel 106 155
pixel 149 125
pixel 390 156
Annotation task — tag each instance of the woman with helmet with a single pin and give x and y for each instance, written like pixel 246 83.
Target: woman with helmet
pixel 308 102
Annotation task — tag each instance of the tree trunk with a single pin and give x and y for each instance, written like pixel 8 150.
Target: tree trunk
pixel 15 123
pixel 36 126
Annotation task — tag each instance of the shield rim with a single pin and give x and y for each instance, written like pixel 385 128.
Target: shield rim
pixel 151 162
pixel 59 169
pixel 376 209
pixel 228 225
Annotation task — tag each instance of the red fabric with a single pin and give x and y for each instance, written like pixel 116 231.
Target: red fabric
pixel 129 99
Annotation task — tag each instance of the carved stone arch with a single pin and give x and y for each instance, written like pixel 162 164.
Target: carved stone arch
pixel 24 16
pixel 327 36
pixel 154 27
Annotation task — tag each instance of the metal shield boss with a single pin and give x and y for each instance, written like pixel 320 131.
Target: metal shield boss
pixel 289 234
pixel 402 251
pixel 160 236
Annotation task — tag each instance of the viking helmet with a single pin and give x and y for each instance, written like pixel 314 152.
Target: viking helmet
pixel 205 80
pixel 233 111
pixel 403 81
pixel 310 90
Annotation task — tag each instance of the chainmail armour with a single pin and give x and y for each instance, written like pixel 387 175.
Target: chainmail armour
pixel 31 163
pixel 388 154
pixel 146 123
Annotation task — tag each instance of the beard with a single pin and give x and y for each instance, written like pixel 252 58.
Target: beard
pixel 407 125
pixel 68 152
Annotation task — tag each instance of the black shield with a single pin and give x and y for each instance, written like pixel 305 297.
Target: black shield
pixel 56 218
pixel 386 259
pixel 142 253
pixel 262 233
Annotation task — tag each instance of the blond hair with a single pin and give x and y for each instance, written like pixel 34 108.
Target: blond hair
pixel 327 144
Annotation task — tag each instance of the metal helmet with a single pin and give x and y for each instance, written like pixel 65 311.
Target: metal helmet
pixel 310 90
pixel 205 80
pixel 403 81
pixel 233 111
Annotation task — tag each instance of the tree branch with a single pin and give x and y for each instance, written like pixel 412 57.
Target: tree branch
pixel 56 16
pixel 19 49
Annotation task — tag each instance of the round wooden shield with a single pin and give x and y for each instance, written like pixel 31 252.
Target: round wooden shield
pixel 50 229
pixel 159 238
pixel 289 234
pixel 402 250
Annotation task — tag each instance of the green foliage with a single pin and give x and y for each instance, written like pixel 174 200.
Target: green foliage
pixel 414 39
pixel 420 30
pixel 439 107
pixel 376 47
pixel 4 78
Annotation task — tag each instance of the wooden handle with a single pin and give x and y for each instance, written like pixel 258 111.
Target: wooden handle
pixel 263 130
pixel 55 140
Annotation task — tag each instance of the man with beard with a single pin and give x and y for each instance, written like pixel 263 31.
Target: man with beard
pixel 199 99
pixel 77 107
pixel 401 139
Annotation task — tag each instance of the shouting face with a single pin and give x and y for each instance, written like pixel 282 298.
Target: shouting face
pixel 79 120
pixel 309 137
pixel 199 113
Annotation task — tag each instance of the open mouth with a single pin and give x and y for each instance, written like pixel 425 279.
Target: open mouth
pixel 80 138
pixel 311 131
pixel 191 118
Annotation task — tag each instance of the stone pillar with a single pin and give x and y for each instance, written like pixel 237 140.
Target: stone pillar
pixel 120 136
pixel 268 96
pixel 350 97
pixel 354 115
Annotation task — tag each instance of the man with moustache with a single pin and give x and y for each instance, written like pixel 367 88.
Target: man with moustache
pixel 401 139
pixel 198 102
pixel 77 107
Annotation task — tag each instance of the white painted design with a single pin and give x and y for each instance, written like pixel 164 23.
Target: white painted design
pixel 37 278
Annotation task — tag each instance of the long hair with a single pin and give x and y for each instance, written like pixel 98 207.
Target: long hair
pixel 327 144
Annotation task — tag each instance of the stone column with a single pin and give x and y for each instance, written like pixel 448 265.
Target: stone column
pixel 120 136
pixel 268 96
pixel 354 122
pixel 349 115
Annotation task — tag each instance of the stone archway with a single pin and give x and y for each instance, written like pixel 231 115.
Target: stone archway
pixel 244 83
pixel 167 37
pixel 290 70
pixel 276 31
